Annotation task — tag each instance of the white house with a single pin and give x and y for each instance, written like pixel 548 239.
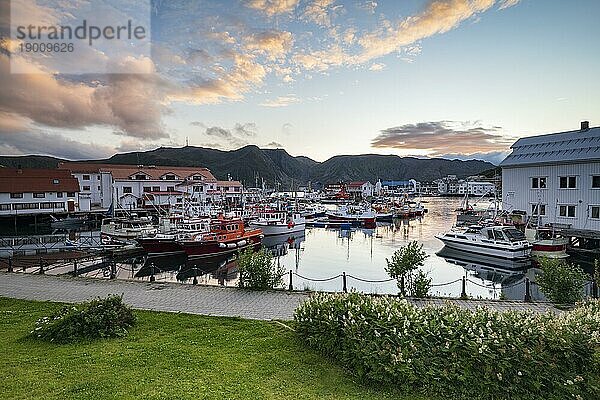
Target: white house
pixel 361 189
pixel 134 187
pixel 558 175
pixel 38 191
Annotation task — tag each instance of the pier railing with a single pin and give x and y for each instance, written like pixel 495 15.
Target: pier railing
pixel 465 281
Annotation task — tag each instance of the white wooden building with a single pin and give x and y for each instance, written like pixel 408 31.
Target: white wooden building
pixel 557 174
pixel 38 191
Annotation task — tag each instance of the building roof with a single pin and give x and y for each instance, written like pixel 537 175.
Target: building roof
pixel 29 180
pixel 395 183
pixel 357 183
pixel 554 148
pixel 229 184
pixel 121 171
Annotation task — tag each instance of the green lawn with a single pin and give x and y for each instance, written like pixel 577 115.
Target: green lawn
pixel 169 356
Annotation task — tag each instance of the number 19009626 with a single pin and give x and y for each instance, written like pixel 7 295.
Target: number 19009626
pixel 35 47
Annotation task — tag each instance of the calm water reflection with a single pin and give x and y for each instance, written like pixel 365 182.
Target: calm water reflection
pixel 324 253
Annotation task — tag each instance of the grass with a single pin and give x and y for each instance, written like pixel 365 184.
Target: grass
pixel 170 356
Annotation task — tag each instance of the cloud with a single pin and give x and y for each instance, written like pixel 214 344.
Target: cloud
pixel 377 67
pixel 281 101
pixel 274 144
pixel 369 6
pixel 272 7
pixel 231 138
pixel 274 44
pixel 444 137
pixel 508 3
pixel 438 17
pixel 286 128
pixel 318 11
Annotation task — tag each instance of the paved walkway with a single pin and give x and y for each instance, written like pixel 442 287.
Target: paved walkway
pixel 204 300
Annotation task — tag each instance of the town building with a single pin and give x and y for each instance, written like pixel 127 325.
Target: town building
pixel 360 189
pixel 398 187
pixel 556 176
pixel 136 187
pixel 451 185
pixel 39 191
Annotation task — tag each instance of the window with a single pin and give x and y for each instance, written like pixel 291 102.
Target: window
pixel 566 211
pixel 39 195
pixel 98 188
pixel 596 181
pixel 198 188
pixel 55 181
pixel 538 183
pixel 127 189
pixel 16 195
pixel 170 177
pixel 70 194
pixel 51 205
pixel 140 177
pixel 568 182
pixel 147 189
pixel 170 188
pixel 86 177
pixel 4 207
pixel 59 195
pixel 26 206
pixel 538 208
pixel 156 188
pixel 595 212
pixel 86 188
pixel 197 177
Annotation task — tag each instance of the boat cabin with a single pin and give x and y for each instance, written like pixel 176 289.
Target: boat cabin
pixel 504 234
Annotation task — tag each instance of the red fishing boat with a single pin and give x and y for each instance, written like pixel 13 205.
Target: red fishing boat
pixel 226 236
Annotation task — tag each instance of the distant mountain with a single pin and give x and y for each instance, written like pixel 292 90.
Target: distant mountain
pixel 251 164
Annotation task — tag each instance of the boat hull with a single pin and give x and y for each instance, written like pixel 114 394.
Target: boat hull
pixel 213 248
pixel 278 229
pixel 514 253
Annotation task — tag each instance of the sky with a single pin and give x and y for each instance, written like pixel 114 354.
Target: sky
pixel 443 78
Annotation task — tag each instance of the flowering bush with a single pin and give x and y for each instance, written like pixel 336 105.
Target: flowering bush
pixel 99 318
pixel 561 282
pixel 404 268
pixel 457 353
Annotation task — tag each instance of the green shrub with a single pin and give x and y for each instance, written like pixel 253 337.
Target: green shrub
pixel 404 268
pixel 561 282
pixel 456 353
pixel 258 270
pixel 99 318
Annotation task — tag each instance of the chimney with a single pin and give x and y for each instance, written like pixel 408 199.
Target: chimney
pixel 585 125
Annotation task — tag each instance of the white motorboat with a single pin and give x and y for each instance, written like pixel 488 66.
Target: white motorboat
pixel 498 241
pixel 364 216
pixel 276 222
pixel 126 229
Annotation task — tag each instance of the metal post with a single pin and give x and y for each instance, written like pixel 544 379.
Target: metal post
pixel 463 293
pixel 10 267
pixel 152 278
pixel 402 288
pixel 41 266
pixel 113 270
pixel 527 291
pixel 195 280
pixel 291 286
pixel 344 282
pixel 75 267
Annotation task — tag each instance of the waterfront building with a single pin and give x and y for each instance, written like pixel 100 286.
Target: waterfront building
pixel 557 176
pixel 451 185
pixel 39 191
pixel 135 187
pixel 360 189
pixel 400 187
pixel 229 192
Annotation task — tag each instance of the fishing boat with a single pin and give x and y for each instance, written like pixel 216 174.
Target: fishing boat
pixel 498 241
pixel 227 236
pixel 171 231
pixel 546 242
pixel 276 222
pixel 127 229
pixel 353 214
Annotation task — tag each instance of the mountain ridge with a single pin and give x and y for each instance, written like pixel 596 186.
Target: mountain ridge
pixel 251 164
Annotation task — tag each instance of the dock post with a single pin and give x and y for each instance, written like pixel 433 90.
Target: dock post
pixel 291 287
pixel 41 266
pixel 527 291
pixel 10 267
pixel 195 280
pixel 113 270
pixel 344 282
pixel 75 267
pixel 402 289
pixel 463 293
pixel 152 278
